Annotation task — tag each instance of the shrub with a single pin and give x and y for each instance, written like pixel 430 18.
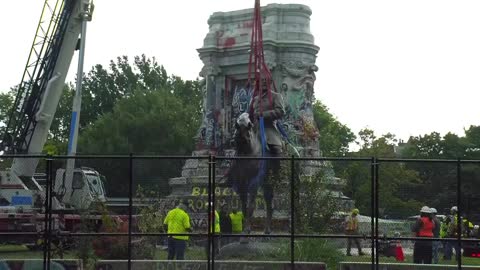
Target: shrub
pixel 315 250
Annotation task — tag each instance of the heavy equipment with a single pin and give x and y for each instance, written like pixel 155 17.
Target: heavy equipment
pixel 61 31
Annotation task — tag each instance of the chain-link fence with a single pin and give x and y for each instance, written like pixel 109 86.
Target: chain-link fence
pixel 266 213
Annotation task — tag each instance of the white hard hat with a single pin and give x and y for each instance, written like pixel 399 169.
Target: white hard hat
pixel 425 209
pixel 433 210
pixel 454 208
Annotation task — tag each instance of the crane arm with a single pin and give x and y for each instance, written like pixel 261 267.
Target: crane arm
pixel 42 84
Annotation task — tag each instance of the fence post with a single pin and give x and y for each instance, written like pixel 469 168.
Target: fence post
pixel 377 213
pixel 292 213
pixel 130 208
pixel 48 215
pixel 215 238
pixel 459 213
pixel 209 210
pixel 372 211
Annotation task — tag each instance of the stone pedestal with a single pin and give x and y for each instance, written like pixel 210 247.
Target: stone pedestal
pixel 290 53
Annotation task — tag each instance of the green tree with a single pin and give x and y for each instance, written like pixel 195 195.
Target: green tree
pixel 6 101
pixel 335 137
pixel 147 122
pixel 453 146
pixel 396 180
pixel 103 88
pixel 439 180
pixel 316 204
pixel 436 179
pixel 472 142
pixel 367 137
pixel 155 122
pixel 426 146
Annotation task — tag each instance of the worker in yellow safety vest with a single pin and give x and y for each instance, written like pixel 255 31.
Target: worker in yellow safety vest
pixel 214 218
pixel 215 225
pixel 452 232
pixel 467 228
pixel 236 217
pixel 177 221
pixel 351 228
pixel 444 228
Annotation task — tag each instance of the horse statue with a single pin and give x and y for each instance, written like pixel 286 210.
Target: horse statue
pixel 247 175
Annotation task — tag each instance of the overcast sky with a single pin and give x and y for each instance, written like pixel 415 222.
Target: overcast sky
pixel 408 67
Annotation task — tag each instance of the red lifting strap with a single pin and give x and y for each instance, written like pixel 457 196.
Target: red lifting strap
pixel 256 62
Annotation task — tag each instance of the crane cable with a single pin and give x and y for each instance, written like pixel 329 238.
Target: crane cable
pixel 260 70
pixel 256 63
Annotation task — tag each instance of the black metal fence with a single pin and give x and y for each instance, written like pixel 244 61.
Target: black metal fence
pixel 312 198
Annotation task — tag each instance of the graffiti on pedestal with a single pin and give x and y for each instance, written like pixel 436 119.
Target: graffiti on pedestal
pixel 298 79
pixel 198 198
pixel 241 98
pixel 209 134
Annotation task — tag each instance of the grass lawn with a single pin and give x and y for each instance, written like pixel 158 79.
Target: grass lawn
pixel 12 248
pixel 409 259
pixel 22 252
pixel 199 253
pixel 191 253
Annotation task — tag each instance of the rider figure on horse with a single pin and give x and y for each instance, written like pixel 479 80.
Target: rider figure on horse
pixel 270 106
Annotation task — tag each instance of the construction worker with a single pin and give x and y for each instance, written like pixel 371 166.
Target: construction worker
pixel 270 107
pixel 214 228
pixel 423 227
pixel 236 216
pixel 444 233
pixel 225 224
pixel 215 223
pixel 351 229
pixel 476 231
pixel 467 228
pixel 436 234
pixel 177 221
pixel 444 227
pixel 452 232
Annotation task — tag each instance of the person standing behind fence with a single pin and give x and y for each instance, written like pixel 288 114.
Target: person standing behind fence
pixel 444 233
pixel 467 228
pixel 225 224
pixel 177 221
pixel 214 229
pixel 452 233
pixel 436 234
pixel 423 227
pixel 351 229
pixel 236 217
